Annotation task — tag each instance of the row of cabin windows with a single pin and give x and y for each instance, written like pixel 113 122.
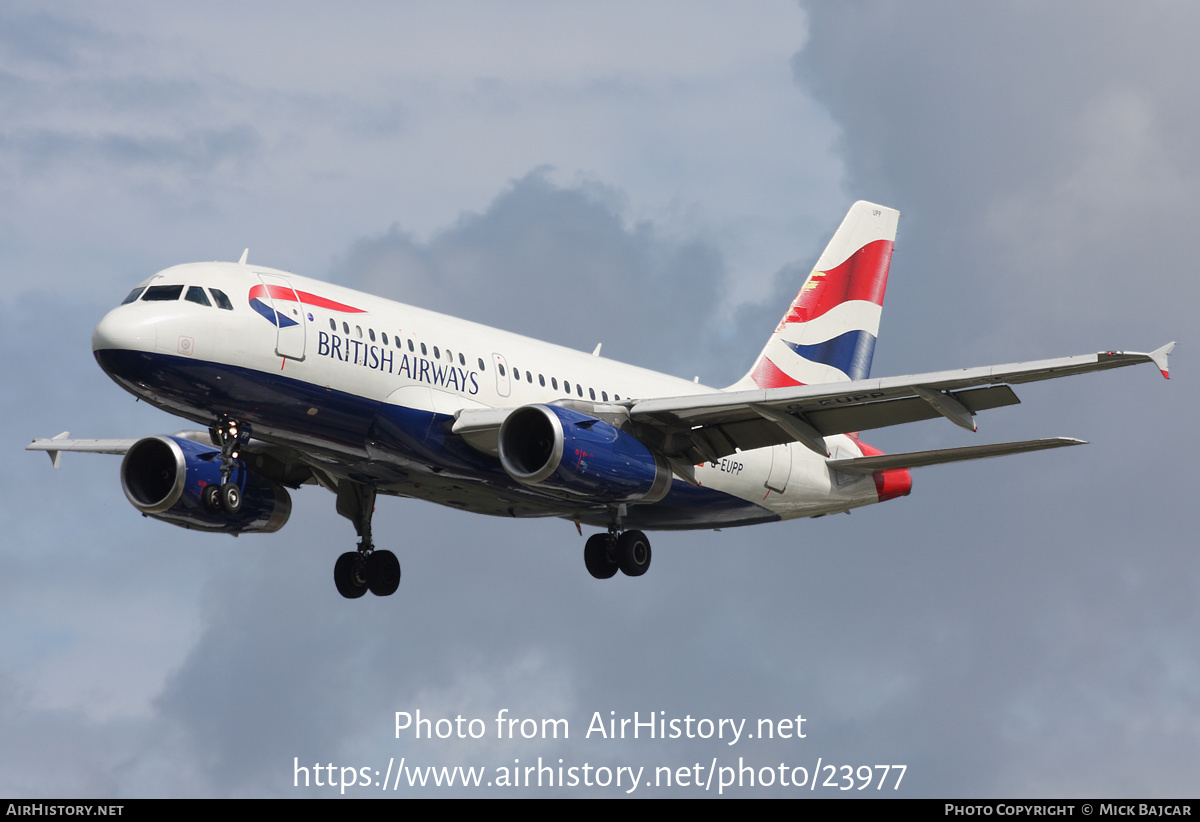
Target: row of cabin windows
pixel 516 374
pixel 437 355
pixel 195 294
pixel 383 337
pixel 170 293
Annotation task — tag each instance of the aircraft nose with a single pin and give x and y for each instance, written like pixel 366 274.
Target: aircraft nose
pixel 123 330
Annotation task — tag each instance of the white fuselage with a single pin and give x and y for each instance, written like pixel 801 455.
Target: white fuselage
pixel 367 388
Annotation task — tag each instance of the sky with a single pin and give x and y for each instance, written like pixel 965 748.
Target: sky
pixel 658 177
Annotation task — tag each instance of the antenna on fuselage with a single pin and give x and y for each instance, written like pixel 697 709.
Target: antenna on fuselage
pixel 596 353
pixel 245 254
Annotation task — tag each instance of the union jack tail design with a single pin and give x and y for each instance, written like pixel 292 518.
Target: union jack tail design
pixel 828 333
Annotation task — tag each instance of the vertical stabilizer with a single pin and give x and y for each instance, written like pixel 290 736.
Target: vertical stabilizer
pixel 828 333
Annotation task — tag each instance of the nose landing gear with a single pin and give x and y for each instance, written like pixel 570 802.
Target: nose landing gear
pixel 230 435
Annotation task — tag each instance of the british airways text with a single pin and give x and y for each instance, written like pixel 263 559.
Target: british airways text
pixel 380 358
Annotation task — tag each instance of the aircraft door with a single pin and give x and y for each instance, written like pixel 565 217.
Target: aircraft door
pixel 781 467
pixel 289 316
pixel 502 378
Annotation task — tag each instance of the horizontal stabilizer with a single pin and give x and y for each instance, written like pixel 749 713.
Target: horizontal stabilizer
pixel 920 459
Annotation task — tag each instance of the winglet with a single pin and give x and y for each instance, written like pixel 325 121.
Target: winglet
pixel 56 456
pixel 1159 358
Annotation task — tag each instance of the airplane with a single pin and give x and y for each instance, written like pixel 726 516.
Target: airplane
pixel 304 382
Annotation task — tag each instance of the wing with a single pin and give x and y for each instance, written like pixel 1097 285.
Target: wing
pixel 706 427
pixel 56 445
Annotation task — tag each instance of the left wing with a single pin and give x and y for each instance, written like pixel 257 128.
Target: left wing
pixel 56 445
pixel 707 427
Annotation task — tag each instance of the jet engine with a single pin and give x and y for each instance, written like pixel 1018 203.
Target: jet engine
pixel 574 455
pixel 165 478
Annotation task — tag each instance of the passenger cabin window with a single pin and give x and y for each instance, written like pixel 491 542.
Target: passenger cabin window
pixel 371 332
pixel 463 360
pixel 384 335
pixel 133 295
pixel 162 293
pixel 332 325
pixel 195 294
pixel 220 299
pixel 481 363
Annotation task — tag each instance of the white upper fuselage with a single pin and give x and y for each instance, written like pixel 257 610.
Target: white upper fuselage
pixel 310 365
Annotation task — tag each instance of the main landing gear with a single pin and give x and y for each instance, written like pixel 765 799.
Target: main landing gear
pixel 229 435
pixel 626 551
pixel 366 569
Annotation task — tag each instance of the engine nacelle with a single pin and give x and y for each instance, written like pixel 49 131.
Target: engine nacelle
pixel 164 477
pixel 574 455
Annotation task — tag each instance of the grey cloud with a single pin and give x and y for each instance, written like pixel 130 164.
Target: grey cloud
pixel 557 264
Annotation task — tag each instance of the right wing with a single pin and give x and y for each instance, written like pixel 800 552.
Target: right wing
pixel 706 427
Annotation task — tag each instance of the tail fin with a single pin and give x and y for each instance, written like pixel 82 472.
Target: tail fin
pixel 828 334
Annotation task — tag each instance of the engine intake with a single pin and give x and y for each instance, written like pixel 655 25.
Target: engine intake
pixel 163 477
pixel 572 454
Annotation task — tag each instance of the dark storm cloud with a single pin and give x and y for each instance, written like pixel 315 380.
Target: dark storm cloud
pixel 1039 155
pixel 558 264
pixel 1040 158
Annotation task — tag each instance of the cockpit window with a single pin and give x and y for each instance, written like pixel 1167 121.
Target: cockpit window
pixel 195 294
pixel 221 300
pixel 133 295
pixel 162 293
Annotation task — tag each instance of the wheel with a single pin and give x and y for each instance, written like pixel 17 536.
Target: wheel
pixel 633 553
pixel 349 575
pixel 231 498
pixel 597 556
pixel 383 573
pixel 210 499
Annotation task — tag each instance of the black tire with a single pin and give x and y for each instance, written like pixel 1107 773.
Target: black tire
pixel 633 553
pixel 349 575
pixel 598 558
pixel 231 498
pixel 383 573
pixel 210 499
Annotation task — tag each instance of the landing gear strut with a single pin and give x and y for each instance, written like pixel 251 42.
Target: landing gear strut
pixel 230 436
pixel 356 572
pixel 626 551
